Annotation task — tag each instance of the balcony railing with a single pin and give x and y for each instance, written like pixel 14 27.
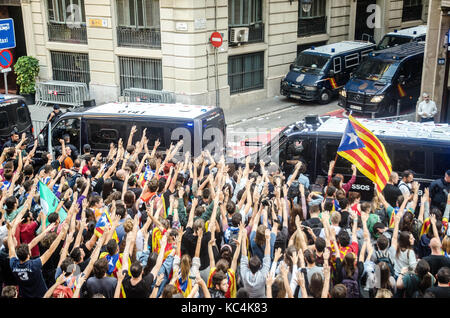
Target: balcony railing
pixel 139 37
pixel 311 26
pixel 60 32
pixel 255 33
pixel 412 13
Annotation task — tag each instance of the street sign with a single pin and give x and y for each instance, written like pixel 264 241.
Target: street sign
pixel 6 58
pixel 5 70
pixel 216 39
pixel 7 35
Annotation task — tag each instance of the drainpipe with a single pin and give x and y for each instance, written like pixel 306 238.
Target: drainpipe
pixel 216 59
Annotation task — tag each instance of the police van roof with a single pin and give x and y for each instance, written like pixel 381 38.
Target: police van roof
pixel 178 110
pixel 339 47
pixel 400 51
pixel 4 97
pixel 411 32
pixel 407 129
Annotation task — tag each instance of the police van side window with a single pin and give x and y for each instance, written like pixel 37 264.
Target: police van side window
pixel 409 160
pixel 337 65
pixel 441 162
pixel 153 133
pixel 351 60
pixel 102 133
pixel 4 120
pixel 22 115
pixel 71 127
pixel 342 165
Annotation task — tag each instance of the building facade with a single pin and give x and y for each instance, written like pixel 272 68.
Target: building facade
pixel 165 45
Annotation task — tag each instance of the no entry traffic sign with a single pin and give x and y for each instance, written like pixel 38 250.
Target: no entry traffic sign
pixel 216 39
pixel 6 58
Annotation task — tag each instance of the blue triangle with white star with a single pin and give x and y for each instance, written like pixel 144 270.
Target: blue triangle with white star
pixel 350 139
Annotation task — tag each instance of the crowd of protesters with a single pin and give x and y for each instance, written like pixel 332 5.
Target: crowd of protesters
pixel 148 224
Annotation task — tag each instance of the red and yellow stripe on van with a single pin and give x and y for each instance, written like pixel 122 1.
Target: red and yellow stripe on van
pixel 333 82
pixel 401 91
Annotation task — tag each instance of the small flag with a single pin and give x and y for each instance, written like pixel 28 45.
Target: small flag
pixel 49 201
pixel 101 223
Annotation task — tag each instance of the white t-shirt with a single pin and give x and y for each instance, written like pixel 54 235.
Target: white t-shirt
pixel 427 110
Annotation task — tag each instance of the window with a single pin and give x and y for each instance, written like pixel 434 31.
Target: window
pixel 314 21
pixel 351 60
pixel 140 73
pixel 342 165
pixel 4 121
pixel 246 72
pixel 247 13
pixel 22 115
pixel 102 133
pixel 138 23
pixel 66 21
pixel 337 65
pixel 408 159
pixel 412 10
pixel 71 67
pixel 71 127
pixel 441 162
pixel 138 13
pixel 66 11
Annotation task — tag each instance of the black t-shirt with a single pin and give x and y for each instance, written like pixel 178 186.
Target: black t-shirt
pixel 391 193
pixel 440 292
pixel 141 289
pixel 189 242
pixel 29 277
pixel 436 262
pixel 118 184
pixel 49 268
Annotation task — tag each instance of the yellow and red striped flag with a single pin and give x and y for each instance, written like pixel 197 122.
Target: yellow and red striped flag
pixel 363 149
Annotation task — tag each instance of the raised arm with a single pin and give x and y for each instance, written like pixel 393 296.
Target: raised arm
pixel 45 257
pixel 160 258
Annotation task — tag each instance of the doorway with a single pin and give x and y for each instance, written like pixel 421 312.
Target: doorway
pixel 365 13
pixel 15 13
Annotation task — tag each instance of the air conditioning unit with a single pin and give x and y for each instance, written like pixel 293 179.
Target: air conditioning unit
pixel 239 35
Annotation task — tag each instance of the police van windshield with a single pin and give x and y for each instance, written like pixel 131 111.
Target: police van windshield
pixel 392 40
pixel 376 70
pixel 310 63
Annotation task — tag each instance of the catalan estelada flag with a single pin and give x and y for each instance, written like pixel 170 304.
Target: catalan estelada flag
pixel 333 82
pixel 101 223
pixel 363 149
pixel 427 224
pixel 401 91
pixel 231 275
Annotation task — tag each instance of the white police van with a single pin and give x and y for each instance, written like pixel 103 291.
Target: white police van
pixel 102 125
pixel 399 37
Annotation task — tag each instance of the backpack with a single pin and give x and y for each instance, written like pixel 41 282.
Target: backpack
pixel 351 283
pixel 387 260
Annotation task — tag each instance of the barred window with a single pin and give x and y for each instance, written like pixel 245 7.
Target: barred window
pixel 71 67
pixel 314 21
pixel 351 60
pixel 246 72
pixel 140 73
pixel 138 13
pixel 412 10
pixel 66 11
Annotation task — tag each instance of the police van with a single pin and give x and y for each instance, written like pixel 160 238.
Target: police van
pixel 387 79
pixel 102 125
pixel 421 147
pixel 399 37
pixel 319 73
pixel 14 113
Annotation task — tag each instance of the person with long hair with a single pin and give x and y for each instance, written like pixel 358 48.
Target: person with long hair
pixel 414 284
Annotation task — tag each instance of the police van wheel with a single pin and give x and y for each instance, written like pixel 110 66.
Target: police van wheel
pixel 325 97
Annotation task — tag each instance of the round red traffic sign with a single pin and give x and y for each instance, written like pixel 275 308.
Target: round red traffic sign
pixel 216 39
pixel 6 58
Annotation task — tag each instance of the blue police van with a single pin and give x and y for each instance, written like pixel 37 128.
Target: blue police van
pixel 387 79
pixel 319 73
pixel 399 37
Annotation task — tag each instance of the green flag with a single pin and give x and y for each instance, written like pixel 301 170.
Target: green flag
pixel 49 202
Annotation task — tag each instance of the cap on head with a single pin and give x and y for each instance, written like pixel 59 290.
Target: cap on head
pixel 56 106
